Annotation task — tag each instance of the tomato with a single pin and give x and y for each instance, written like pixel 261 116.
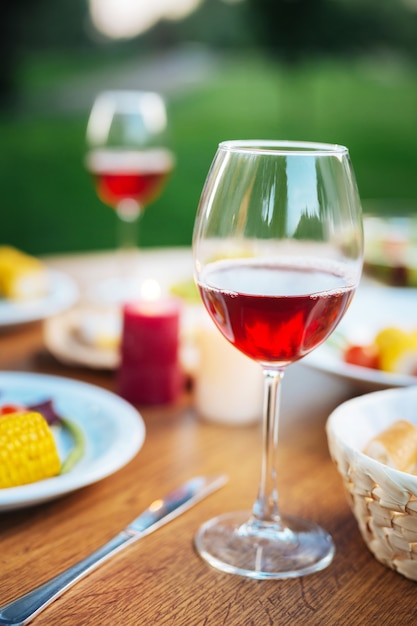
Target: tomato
pixel 364 356
pixel 10 408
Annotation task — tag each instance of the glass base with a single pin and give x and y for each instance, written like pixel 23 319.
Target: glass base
pixel 232 544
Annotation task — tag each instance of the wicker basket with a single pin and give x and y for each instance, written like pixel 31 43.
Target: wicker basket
pixel 383 500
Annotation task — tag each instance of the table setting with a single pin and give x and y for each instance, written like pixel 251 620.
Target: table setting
pixel 53 292
pixel 169 399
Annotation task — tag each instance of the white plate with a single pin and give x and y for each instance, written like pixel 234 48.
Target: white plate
pixel 62 294
pixel 63 334
pixel 65 340
pixel 114 432
pixel 373 308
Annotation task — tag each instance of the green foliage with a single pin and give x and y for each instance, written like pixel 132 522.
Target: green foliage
pixel 48 204
pixel 297 29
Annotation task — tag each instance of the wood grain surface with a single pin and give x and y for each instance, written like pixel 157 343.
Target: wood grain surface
pixel 161 580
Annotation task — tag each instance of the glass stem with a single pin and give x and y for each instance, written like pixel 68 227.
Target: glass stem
pixel 265 509
pixel 128 212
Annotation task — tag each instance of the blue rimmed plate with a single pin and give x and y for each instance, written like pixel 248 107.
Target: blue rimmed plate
pixel 62 293
pixel 113 430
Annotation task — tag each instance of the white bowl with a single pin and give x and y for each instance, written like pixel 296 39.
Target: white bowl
pixel 383 500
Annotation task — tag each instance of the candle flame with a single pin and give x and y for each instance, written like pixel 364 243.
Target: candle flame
pixel 150 290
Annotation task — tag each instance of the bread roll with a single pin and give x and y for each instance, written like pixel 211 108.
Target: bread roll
pixel 396 446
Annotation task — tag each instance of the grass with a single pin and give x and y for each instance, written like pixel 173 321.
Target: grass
pixel 48 203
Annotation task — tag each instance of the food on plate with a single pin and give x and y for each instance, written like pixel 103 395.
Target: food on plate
pixel 186 290
pixel 100 329
pixel 395 446
pixel 47 409
pixel 28 447
pixel 397 350
pixel 22 277
pixel 390 250
pixel 28 451
pixel 392 350
pixel 363 355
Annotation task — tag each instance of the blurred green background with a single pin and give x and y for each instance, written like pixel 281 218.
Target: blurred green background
pixel 339 71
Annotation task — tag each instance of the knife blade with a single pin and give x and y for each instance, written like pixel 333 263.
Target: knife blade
pixel 23 609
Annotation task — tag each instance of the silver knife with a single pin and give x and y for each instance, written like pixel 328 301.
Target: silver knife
pixel 22 610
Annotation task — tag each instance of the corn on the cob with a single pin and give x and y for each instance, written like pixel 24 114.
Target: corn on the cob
pixel 21 276
pixel 28 451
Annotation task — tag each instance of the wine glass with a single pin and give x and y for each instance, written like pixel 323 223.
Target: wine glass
pixel 128 156
pixel 278 249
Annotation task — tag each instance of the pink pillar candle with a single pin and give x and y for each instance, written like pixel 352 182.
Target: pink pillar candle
pixel 149 370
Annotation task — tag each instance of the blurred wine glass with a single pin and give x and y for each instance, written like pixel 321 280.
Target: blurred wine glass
pixel 128 156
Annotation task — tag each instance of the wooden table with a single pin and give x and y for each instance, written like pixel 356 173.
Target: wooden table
pixel 161 580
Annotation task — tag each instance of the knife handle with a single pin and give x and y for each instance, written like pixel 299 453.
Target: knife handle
pixel 22 610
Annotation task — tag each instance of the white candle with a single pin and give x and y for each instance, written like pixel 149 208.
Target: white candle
pixel 228 385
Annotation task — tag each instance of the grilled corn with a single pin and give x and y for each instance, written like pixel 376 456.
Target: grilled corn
pixel 21 276
pixel 28 451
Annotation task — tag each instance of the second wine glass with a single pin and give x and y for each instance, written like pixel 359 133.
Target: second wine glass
pixel 128 155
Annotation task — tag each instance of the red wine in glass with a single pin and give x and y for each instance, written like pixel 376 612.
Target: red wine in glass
pixel 132 175
pixel 267 311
